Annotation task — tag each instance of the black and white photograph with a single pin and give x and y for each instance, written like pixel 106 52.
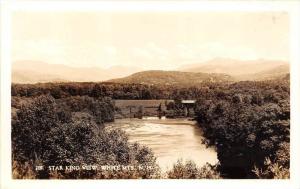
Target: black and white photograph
pixel 154 90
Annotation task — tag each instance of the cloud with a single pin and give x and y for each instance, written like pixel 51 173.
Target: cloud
pixel 186 52
pixel 154 56
pixel 62 52
pixel 141 53
pixel 149 56
pixel 38 50
pixel 156 50
pixel 110 50
pixel 150 51
pixel 215 49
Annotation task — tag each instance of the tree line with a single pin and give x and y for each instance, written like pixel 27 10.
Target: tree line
pixel 112 90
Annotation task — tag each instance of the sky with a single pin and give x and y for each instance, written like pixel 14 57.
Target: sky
pixel 148 40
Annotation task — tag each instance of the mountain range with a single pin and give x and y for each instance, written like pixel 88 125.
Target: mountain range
pixel 215 70
pixel 36 71
pixel 233 67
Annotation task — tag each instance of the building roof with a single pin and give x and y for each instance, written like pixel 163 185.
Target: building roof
pixel 188 101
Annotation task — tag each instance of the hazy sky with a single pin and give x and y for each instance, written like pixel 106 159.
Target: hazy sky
pixel 148 40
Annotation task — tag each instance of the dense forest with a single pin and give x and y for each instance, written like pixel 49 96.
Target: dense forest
pixel 249 124
pixel 64 124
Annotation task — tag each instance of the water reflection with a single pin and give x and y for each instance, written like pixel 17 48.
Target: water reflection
pixel 170 139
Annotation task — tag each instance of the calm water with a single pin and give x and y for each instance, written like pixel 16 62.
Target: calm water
pixel 170 139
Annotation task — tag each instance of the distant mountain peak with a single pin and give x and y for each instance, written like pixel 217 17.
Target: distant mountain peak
pixel 233 66
pixel 31 71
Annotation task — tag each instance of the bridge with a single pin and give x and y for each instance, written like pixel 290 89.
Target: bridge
pixel 152 108
pixel 189 106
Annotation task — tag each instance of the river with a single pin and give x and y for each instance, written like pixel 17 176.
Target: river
pixel 170 139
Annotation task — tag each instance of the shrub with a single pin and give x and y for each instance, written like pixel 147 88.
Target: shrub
pixel 277 169
pixel 189 170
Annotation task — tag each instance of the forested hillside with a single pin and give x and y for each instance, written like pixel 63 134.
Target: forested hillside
pixel 173 78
